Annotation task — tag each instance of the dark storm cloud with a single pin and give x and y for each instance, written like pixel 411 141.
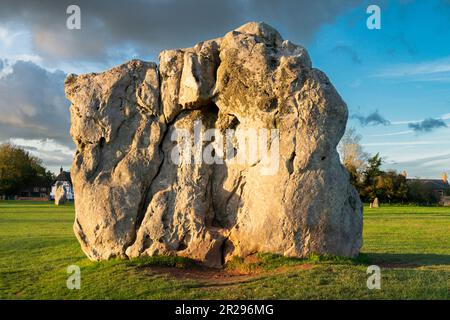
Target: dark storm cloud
pixel 32 101
pixel 348 51
pixel 144 27
pixel 427 125
pixel 33 104
pixel 372 119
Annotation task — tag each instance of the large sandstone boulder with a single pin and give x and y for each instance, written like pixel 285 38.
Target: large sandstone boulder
pixel 135 196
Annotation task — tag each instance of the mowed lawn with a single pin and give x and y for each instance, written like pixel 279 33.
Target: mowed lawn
pixel 410 244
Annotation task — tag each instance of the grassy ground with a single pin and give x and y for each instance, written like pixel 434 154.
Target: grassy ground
pixel 410 244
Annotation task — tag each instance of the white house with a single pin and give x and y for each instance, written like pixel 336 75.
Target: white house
pixel 63 179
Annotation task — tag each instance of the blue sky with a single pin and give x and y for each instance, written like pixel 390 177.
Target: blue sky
pixel 392 79
pixel 402 72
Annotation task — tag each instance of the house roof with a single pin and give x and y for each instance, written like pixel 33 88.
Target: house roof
pixel 63 176
pixel 436 184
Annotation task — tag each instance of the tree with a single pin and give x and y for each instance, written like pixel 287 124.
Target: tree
pixel 353 156
pixel 372 182
pixel 390 187
pixel 18 169
pixel 373 187
pixel 422 193
pixel 373 168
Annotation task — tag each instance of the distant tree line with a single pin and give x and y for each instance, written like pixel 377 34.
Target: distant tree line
pixel 19 169
pixel 372 182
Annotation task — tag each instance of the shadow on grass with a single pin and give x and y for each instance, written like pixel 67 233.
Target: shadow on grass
pixel 258 266
pixel 406 259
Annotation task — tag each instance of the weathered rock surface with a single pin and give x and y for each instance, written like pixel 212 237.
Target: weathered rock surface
pixel 375 203
pixel 60 195
pixel 133 200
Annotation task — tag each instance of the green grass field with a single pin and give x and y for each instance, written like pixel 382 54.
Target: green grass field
pixel 410 244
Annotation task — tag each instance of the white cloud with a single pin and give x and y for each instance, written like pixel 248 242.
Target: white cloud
pixel 437 70
pixel 7 36
pixel 429 167
pixel 404 143
pixel 406 122
pixel 53 154
pixel 15 45
pixel 400 133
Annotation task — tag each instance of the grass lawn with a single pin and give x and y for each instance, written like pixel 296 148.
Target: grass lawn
pixel 410 244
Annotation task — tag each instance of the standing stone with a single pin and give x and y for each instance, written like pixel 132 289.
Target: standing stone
pixel 376 203
pixel 60 194
pixel 132 199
